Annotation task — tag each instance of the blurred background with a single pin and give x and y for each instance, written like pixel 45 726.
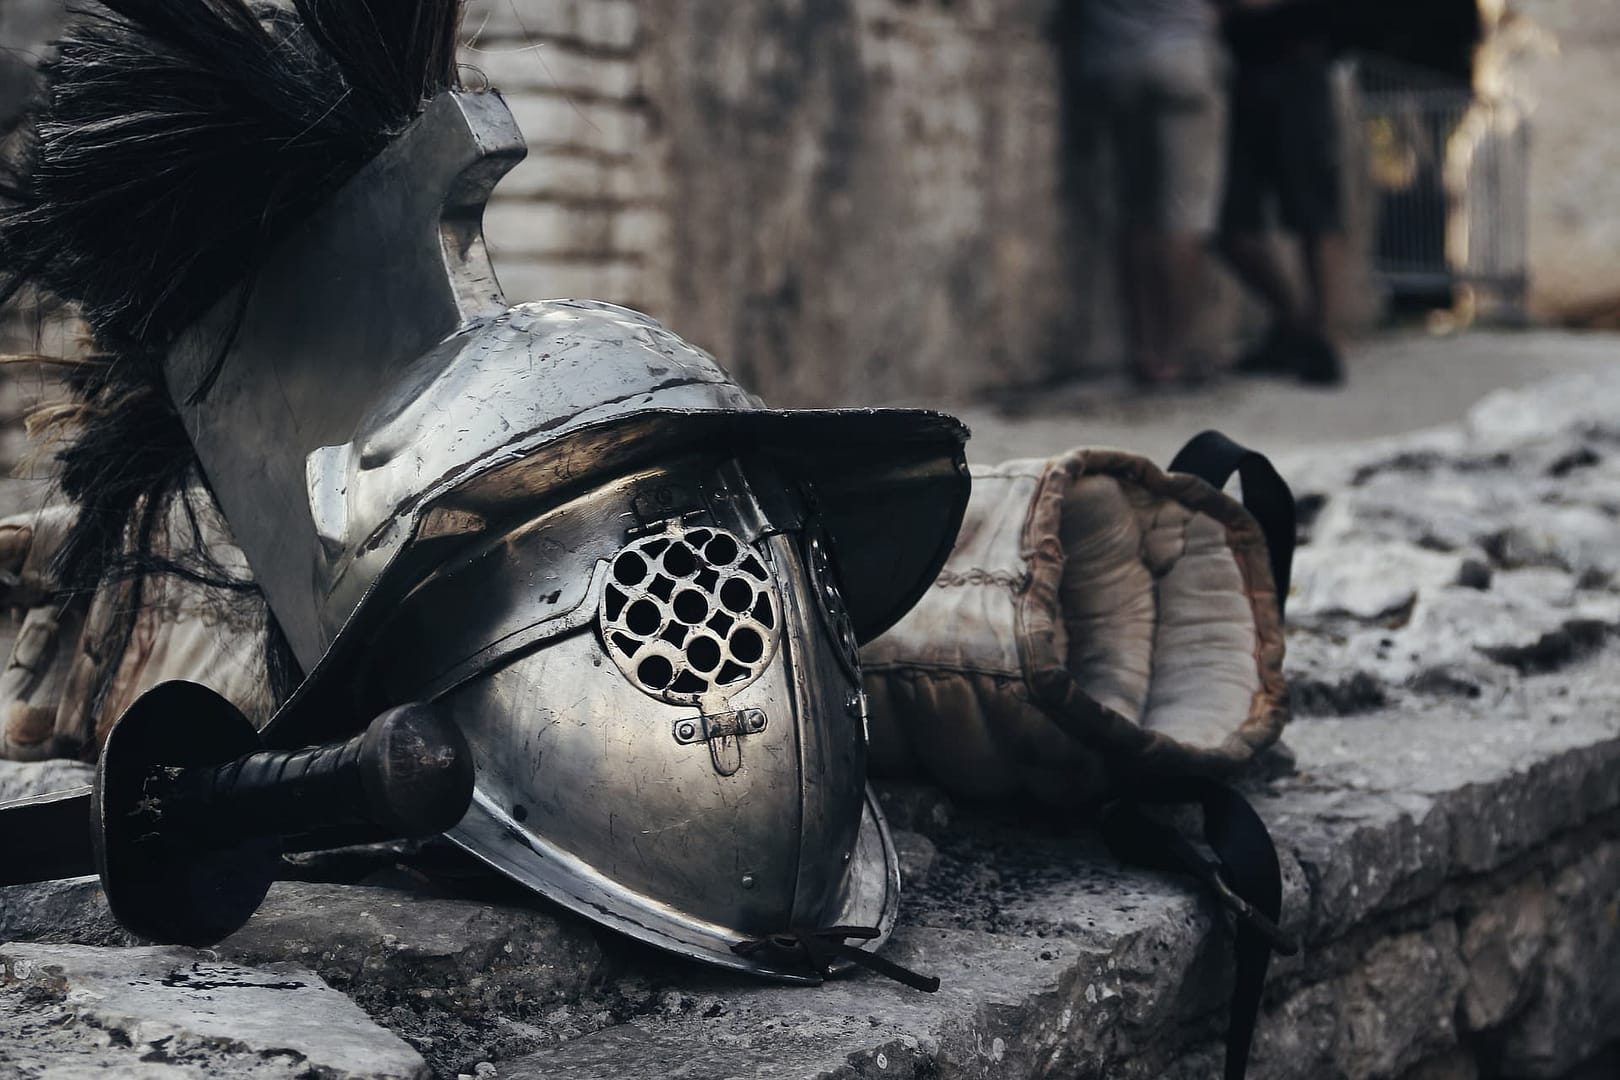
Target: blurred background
pixel 880 201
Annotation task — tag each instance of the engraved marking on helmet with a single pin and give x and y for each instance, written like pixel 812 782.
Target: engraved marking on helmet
pixel 689 612
pixel 825 581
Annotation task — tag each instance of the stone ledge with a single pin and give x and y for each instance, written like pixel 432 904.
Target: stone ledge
pixel 1451 849
pixel 1435 907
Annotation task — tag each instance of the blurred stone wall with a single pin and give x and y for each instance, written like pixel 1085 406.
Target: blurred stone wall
pixel 868 192
pixel 844 199
pixel 848 201
pixel 25 25
pixel 1561 59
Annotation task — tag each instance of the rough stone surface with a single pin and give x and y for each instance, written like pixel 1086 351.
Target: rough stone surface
pixel 462 980
pixel 24 779
pixel 74 910
pixel 1573 1014
pixel 1456 563
pixel 69 1011
pixel 1449 834
pixel 1501 944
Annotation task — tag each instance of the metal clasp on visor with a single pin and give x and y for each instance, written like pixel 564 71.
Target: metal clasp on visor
pixel 722 732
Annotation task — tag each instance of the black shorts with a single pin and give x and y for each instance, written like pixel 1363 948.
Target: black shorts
pixel 1282 145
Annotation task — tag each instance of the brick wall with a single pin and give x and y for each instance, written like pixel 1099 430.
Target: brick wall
pixel 585 214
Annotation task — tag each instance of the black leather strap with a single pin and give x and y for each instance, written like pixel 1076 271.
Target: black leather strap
pixel 816 950
pixel 1244 876
pixel 1213 458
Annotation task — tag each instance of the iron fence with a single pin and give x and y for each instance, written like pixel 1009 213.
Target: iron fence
pixel 1447 173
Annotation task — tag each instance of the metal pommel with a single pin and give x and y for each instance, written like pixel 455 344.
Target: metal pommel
pixel 416 770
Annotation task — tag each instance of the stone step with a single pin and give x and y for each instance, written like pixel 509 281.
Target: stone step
pixel 160 1013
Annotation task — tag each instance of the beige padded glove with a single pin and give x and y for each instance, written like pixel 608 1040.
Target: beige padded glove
pixel 1098 619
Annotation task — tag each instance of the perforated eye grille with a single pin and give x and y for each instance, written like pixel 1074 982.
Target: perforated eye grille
pixel 689 611
pixel 825 579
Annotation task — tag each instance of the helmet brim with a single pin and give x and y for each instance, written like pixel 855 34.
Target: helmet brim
pixel 890 487
pixel 869 895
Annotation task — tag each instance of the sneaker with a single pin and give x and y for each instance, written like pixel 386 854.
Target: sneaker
pixel 1318 362
pixel 1271 355
pixel 1310 357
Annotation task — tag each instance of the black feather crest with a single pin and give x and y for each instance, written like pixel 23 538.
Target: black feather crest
pixel 182 137
pixel 178 140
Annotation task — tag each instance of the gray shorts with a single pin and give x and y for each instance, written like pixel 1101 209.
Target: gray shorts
pixel 1162 117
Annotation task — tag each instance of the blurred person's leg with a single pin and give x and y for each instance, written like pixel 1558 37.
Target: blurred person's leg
pixel 1087 171
pixel 1308 197
pixel 1243 239
pixel 1326 257
pixel 1252 257
pixel 1284 140
pixel 1168 140
pixel 1192 136
pixel 1141 255
pixel 1139 236
pixel 1106 118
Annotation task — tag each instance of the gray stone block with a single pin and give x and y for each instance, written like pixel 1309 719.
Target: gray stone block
pixel 1573 989
pixel 1502 947
pixel 460 955
pixel 72 911
pixel 24 779
pixel 69 1011
pixel 461 980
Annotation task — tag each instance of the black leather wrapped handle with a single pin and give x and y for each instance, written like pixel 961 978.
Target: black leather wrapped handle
pixel 409 774
pixel 190 814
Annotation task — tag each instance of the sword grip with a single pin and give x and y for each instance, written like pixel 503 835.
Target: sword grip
pixel 409 774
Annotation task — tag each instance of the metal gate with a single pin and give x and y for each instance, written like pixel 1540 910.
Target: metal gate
pixel 1448 178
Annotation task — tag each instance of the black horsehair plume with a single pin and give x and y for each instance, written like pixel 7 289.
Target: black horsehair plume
pixel 181 137
pixel 176 142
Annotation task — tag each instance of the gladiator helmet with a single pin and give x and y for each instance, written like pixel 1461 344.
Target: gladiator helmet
pixel 639 592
